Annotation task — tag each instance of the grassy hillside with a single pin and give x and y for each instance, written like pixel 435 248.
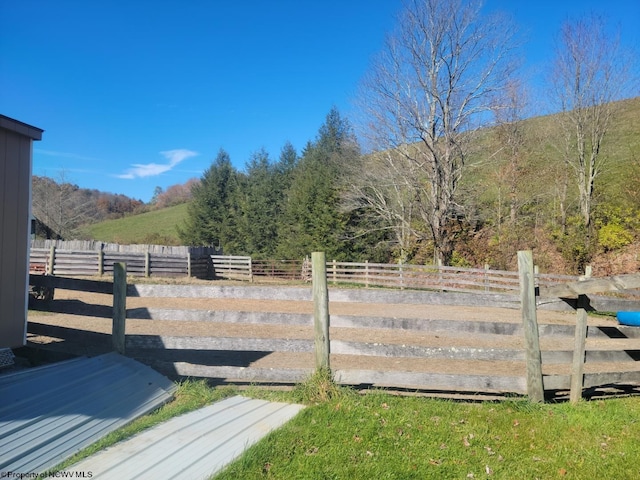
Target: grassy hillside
pixel 484 192
pixel 154 227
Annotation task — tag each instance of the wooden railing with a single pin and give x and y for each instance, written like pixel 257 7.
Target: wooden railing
pixel 432 277
pixel 232 267
pixel 227 358
pixel 295 270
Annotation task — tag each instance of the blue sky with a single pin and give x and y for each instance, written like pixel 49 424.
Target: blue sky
pixel 134 94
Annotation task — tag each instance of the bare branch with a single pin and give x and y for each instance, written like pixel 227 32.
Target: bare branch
pixel 589 74
pixel 429 88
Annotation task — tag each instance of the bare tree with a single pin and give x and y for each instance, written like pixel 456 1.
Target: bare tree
pixel 60 205
pixel 589 73
pixel 512 143
pixel 429 88
pixel 382 189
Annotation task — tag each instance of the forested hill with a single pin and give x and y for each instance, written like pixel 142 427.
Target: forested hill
pixel 317 200
pixel 61 206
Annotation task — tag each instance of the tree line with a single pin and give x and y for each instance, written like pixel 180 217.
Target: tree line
pixel 284 208
pixel 452 170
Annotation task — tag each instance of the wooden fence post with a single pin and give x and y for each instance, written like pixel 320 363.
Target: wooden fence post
pixel 535 386
pixel 189 274
pixel 147 264
pixel 119 307
pixel 333 270
pixel 486 277
pixel 100 262
pixel 579 344
pixel 52 260
pixel 366 273
pixel 320 309
pixel 579 350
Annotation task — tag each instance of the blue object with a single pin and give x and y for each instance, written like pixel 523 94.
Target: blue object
pixel 629 318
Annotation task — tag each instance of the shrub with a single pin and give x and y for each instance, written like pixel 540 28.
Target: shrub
pixel 615 226
pixel 613 237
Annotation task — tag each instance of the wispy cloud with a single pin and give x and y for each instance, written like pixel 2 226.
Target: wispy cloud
pixel 53 153
pixel 174 157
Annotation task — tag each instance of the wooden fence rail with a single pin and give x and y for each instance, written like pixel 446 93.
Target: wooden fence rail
pixel 297 270
pixel 437 364
pixel 232 267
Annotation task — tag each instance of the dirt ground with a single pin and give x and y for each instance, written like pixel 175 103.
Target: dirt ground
pixel 82 300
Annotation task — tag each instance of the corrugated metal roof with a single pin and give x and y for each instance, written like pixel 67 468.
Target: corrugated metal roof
pixel 194 445
pixel 49 413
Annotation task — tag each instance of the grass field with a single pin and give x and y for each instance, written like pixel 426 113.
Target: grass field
pixel 154 227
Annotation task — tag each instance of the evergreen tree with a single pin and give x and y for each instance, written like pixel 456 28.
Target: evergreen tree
pixel 212 214
pixel 286 166
pixel 261 206
pixel 312 219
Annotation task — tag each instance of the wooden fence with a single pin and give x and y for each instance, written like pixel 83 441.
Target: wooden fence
pixel 295 270
pixel 144 264
pixel 432 277
pixel 232 267
pixel 93 245
pixel 452 364
pixel 160 261
pixel 90 257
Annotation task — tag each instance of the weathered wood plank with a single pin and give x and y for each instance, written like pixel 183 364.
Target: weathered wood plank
pixel 600 379
pixel 346 321
pixel 556 382
pixel 240 292
pixel 592 285
pixel 220 343
pixel 221 316
pixel 591 380
pixel 535 388
pixel 617 331
pixel 433 381
pixel 416 351
pixel 424 381
pixel 119 307
pixel 579 347
pixel 230 374
pixel 320 310
pixel 435 325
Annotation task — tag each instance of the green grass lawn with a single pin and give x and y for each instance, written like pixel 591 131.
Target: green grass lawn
pixel 346 435
pixel 154 227
pixel 381 436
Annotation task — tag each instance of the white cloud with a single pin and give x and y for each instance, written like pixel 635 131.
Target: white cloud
pixel 140 170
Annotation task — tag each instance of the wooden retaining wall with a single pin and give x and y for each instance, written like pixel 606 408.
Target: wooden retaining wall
pixel 219 357
pixel 494 333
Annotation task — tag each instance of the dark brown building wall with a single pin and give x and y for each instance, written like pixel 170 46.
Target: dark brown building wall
pixel 15 202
